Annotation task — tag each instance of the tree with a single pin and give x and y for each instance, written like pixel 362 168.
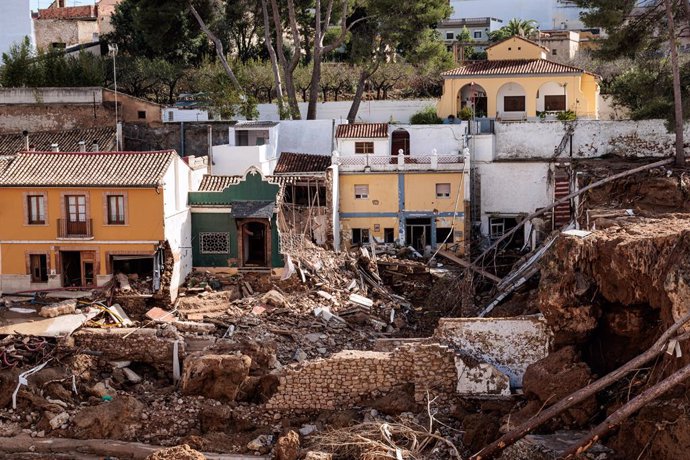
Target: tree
pixel 392 30
pixel 241 22
pixel 639 32
pixel 388 76
pixel 337 78
pixel 523 28
pixel 17 65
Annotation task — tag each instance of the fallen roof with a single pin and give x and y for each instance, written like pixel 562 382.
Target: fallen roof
pixel 66 140
pixel 292 163
pixel 362 131
pixel 513 67
pixel 87 169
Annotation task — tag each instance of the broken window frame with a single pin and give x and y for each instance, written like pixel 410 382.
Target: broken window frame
pixel 116 203
pixel 361 236
pixel 497 222
pixel 36 209
pixel 364 147
pixel 363 193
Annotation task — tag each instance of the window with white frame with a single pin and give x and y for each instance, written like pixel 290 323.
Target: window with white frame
pixel 478 34
pixel 36 209
pixel 442 190
pixel 497 227
pixel 362 192
pixel 214 243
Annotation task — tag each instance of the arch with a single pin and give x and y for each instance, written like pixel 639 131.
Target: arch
pixel 400 140
pixel 474 96
pixel 511 101
pixel 552 96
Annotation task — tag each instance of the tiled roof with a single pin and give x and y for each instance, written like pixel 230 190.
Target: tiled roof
pixel 218 183
pixel 512 67
pixel 97 169
pixel 289 163
pixel 252 209
pixel 362 131
pixel 5 161
pixel 256 124
pixel 67 141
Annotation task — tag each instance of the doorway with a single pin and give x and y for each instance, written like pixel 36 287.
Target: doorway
pixel 255 244
pixel 400 141
pixel 418 233
pixel 78 268
pixel 76 215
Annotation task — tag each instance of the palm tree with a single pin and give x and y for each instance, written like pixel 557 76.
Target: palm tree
pixel 523 28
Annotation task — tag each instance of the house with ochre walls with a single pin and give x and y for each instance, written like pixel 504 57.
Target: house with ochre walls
pixel 518 82
pixel 401 183
pixel 74 219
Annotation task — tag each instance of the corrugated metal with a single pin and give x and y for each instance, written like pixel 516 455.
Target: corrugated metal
pixel 290 163
pixel 513 67
pixel 362 131
pixel 86 169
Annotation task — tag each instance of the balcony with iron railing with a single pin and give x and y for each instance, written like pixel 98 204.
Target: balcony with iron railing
pixel 433 162
pixel 75 230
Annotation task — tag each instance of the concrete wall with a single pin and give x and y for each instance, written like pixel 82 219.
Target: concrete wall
pixel 53 117
pixel 235 161
pixel 86 95
pixel 186 138
pixel 592 139
pixel 510 344
pixel 68 32
pixel 346 147
pixel 129 108
pixel 306 136
pixel 369 111
pixel 15 23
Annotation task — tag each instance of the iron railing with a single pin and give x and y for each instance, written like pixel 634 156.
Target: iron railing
pixel 80 229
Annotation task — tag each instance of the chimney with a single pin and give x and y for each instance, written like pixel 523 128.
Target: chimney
pixel 82 146
pixel 54 148
pixel 26 140
pixel 94 146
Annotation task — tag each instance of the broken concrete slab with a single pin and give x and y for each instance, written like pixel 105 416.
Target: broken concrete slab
pixel 66 307
pixel 509 344
pixel 60 326
pixel 480 379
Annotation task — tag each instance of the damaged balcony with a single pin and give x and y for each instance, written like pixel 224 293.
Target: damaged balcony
pixel 448 162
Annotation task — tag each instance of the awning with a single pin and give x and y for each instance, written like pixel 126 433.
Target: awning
pixel 252 209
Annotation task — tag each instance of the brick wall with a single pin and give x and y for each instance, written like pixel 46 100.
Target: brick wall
pixel 71 12
pixel 53 117
pixel 350 377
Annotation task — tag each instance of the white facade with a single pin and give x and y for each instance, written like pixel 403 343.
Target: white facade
pixel 550 14
pixel 15 23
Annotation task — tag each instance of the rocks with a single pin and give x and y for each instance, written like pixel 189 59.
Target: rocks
pixel 215 418
pixel 183 452
pixel 308 429
pixel 261 443
pixel 101 389
pixel 57 421
pixel 215 376
pixel 287 447
pixel 118 419
pixel 274 298
pixel 66 307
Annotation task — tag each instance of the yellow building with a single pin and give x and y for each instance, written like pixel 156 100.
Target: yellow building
pixel 75 219
pixel 517 82
pixel 405 184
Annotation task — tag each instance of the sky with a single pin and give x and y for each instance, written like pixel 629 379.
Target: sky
pixel 36 4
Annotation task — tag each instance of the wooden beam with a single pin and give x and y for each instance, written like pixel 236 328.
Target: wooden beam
pixel 453 258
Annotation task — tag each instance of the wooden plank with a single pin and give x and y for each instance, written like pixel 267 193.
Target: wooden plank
pixel 453 258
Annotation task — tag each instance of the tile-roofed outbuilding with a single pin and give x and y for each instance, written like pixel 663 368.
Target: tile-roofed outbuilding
pixel 362 131
pixel 211 183
pixel 292 163
pixel 513 67
pixel 67 141
pixel 88 169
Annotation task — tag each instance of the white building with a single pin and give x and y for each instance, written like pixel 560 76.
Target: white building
pixel 550 14
pixel 15 23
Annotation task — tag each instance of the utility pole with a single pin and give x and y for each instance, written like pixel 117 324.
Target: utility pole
pixel 113 50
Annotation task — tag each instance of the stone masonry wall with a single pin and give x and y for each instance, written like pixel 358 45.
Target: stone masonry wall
pixel 53 117
pixel 350 377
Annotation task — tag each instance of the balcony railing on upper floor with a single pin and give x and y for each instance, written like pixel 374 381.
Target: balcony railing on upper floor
pixel 69 229
pixel 401 162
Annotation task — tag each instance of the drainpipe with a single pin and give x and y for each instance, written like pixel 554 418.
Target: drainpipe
pixel 118 135
pixel 54 148
pixel 82 146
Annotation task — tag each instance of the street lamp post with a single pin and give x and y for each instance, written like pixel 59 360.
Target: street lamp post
pixel 112 49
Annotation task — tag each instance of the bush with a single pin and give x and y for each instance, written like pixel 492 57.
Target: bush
pixel 568 115
pixel 466 113
pixel 426 116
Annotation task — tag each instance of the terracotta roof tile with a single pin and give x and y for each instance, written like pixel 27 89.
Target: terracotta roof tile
pixel 218 183
pixel 512 67
pixel 362 131
pixel 5 161
pixel 67 141
pixel 87 169
pixel 289 163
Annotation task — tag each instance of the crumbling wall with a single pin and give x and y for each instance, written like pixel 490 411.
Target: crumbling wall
pixel 349 377
pixel 53 117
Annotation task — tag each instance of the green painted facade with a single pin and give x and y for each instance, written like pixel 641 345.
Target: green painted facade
pixel 252 188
